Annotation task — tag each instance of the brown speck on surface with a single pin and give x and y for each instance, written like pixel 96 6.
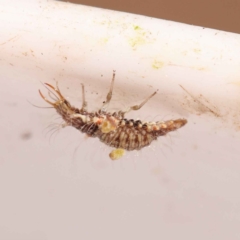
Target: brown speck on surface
pixel 26 135
pixel 9 40
pixel 195 147
pixel 156 171
pixel 11 104
pixel 32 52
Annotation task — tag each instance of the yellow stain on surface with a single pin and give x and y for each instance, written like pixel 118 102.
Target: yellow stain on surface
pixel 197 50
pixel 136 41
pixel 103 40
pixel 237 83
pixel 157 64
pixel 139 37
pixel 202 68
pixel 137 28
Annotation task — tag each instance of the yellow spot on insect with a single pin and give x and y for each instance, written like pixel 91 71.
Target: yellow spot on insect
pixel 116 153
pixel 108 125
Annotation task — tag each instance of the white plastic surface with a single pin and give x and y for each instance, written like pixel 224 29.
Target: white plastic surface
pixel 64 186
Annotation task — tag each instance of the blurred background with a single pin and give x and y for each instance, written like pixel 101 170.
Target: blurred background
pixel 218 14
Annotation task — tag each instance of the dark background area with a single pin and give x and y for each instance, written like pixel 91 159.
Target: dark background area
pixel 218 14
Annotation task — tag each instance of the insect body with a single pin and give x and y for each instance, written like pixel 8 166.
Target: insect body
pixel 113 129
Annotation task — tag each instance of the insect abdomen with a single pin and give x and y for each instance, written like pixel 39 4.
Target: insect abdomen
pixel 162 128
pixel 127 138
pixel 137 136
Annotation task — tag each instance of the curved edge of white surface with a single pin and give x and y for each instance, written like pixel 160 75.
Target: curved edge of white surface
pixel 185 182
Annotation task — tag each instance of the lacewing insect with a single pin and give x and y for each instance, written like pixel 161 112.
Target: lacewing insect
pixel 113 129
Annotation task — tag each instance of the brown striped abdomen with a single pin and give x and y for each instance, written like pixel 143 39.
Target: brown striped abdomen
pixel 136 136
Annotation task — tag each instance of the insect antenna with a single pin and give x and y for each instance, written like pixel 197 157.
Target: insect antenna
pixel 57 94
pixel 52 96
pixel 37 106
pixel 48 86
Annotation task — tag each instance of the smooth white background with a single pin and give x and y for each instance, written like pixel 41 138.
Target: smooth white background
pixel 64 186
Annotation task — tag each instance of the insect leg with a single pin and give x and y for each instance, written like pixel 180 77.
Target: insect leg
pixel 109 95
pixel 137 107
pixel 84 103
